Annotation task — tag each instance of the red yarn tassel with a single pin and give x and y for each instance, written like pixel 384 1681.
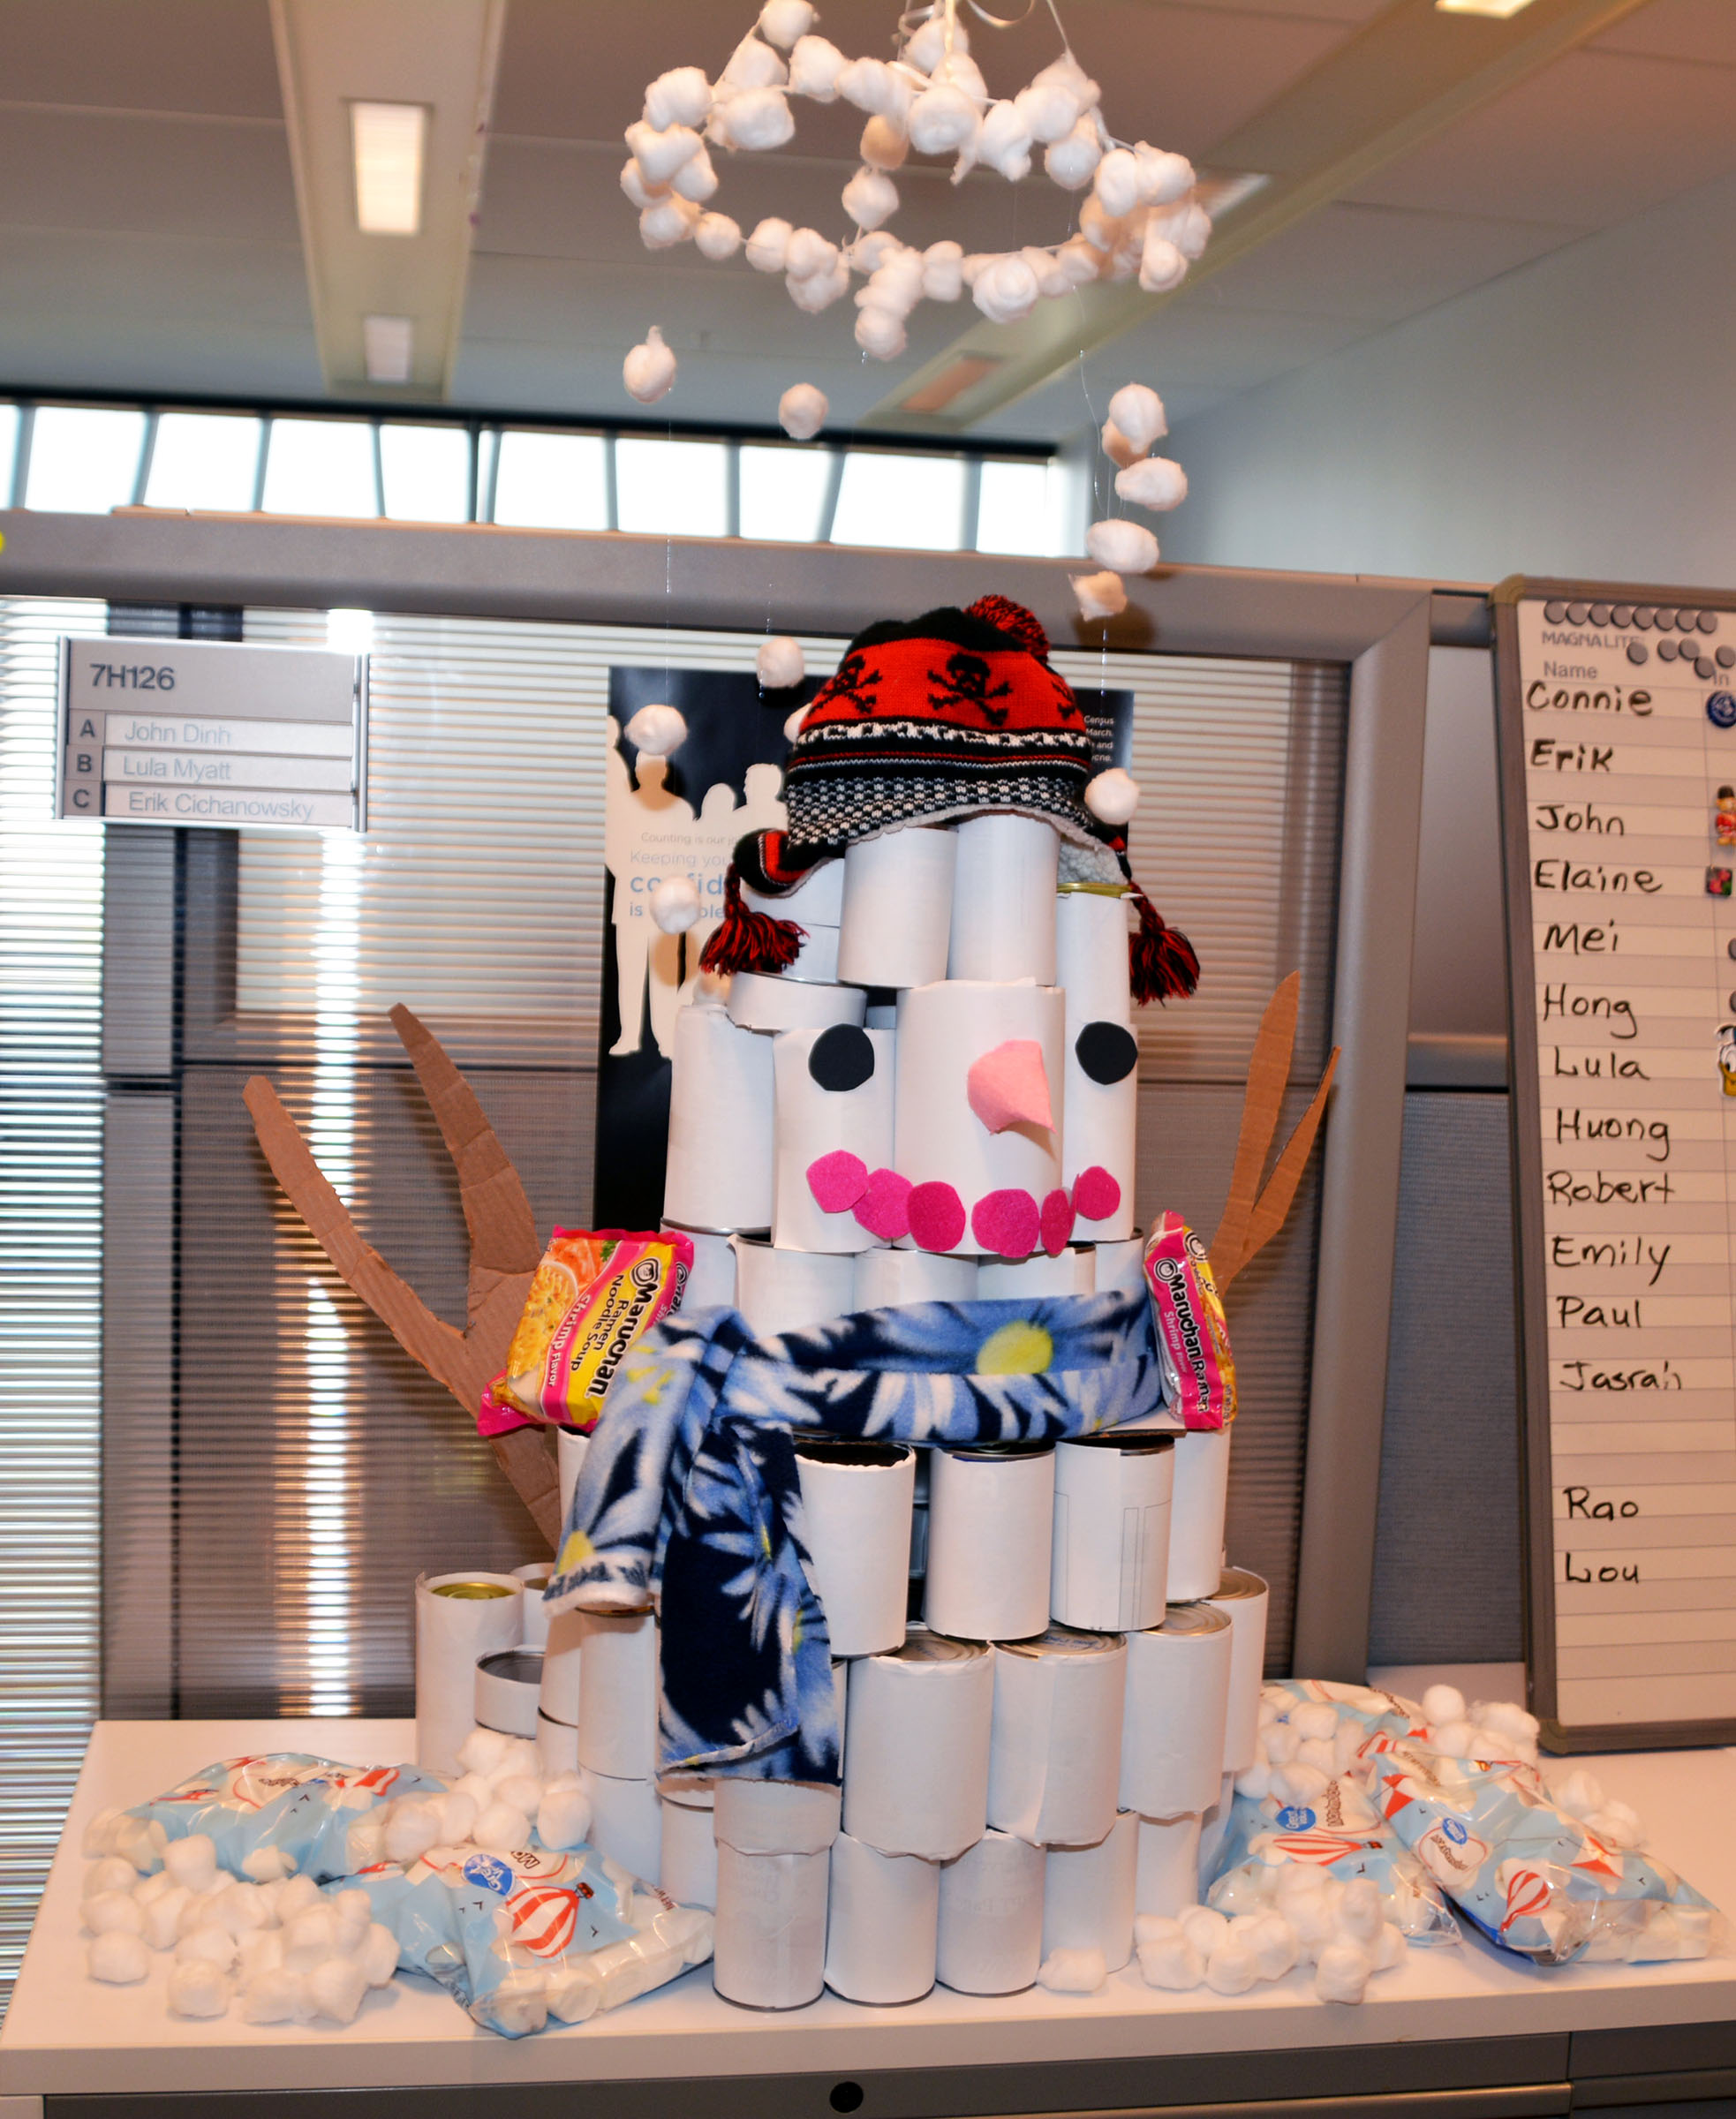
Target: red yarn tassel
pixel 749 941
pixel 1163 965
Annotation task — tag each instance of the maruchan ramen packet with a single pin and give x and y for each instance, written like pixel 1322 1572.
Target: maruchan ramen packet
pixel 524 1937
pixel 594 1294
pixel 1192 1339
pixel 313 1813
pixel 1531 1877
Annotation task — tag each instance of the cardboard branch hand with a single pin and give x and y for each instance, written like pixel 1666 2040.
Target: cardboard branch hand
pixel 1252 1218
pixel 504 1253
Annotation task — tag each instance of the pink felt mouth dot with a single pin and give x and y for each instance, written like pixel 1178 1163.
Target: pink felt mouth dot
pixel 1007 1223
pixel 838 1180
pixel 937 1217
pixel 1008 1087
pixel 884 1208
pixel 1095 1194
pixel 1056 1223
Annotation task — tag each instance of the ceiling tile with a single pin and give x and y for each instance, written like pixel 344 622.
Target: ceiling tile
pixel 212 55
pixel 1375 263
pixel 133 313
pixel 155 175
pixel 1703 30
pixel 1590 141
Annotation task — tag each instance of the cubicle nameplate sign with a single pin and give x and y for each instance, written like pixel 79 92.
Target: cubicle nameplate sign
pixel 1617 713
pixel 211 733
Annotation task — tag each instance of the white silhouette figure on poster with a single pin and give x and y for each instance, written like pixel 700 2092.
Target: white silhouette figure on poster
pixel 647 837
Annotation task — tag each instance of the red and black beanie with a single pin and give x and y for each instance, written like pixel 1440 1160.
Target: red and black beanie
pixel 957 713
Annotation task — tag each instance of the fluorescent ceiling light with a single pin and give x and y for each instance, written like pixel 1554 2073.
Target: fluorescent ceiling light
pixel 388 140
pixel 1499 9
pixel 387 345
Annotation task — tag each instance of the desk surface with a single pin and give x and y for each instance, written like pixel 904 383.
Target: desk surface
pixel 64 2034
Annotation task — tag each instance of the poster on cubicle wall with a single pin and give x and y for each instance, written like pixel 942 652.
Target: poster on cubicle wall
pixel 1616 708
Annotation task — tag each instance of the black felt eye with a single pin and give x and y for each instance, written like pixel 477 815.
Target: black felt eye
pixel 842 1058
pixel 1107 1052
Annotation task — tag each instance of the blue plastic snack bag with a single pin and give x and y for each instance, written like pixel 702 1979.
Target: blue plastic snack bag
pixel 1531 1878
pixel 303 1807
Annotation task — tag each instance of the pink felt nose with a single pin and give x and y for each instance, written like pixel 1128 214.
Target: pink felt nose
pixel 1007 1086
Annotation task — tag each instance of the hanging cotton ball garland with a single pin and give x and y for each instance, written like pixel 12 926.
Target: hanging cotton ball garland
pixel 674 905
pixel 696 179
pixel 666 222
pixel 1126 547
pixel 765 247
pixel 815 64
pixel 1137 412
pixel 870 197
pixel 681 97
pixel 656 731
pixel 884 146
pixel 801 413
pixel 649 370
pixel 1112 797
pixel 1099 595
pixel 716 237
pixel 783 22
pixel 780 663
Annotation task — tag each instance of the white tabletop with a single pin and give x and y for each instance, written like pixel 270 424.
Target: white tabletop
pixel 66 2034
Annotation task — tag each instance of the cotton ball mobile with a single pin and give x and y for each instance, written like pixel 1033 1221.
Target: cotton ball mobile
pixel 1122 547
pixel 656 731
pixel 780 663
pixel 1099 595
pixel 801 413
pixel 649 370
pixel 1112 797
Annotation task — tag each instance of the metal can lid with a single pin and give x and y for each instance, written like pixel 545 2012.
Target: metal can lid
pixel 978 1452
pixel 1239 1581
pixel 1058 1639
pixel 1146 1442
pixel 513 1666
pixel 921 1646
pixel 1183 1619
pixel 473 1591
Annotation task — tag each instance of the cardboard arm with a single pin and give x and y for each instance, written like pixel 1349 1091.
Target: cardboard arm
pixel 1252 1218
pixel 504 1253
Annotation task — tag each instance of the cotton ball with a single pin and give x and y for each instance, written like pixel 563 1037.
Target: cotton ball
pixel 757 119
pixel 1171 1962
pixel 867 253
pixel 209 1945
pixel 573 1992
pixel 261 1951
pixel 99 1834
pixel 1443 1703
pixel 1240 1892
pixel 523 1791
pixel 1359 1914
pixel 1123 547
pixel 682 96
pixel 1283 1741
pixel 563 1815
pixel 1074 1970
pixel 1314 1718
pixel 163 1917
pixel 666 222
pixel 1506 1716
pixel 765 248
pixel 808 254
pixel 1112 797
pixel 1154 1928
pixel 1619 1825
pixel 1299 1781
pixel 716 237
pixel 819 289
pixel 896 284
pixel 1071 162
pixel 870 197
pixel 1204 1928
pixel 1050 275
pixel 782 22
pixel 1255 1781
pixel 1159 484
pixel 148 1890
pixel 117 1957
pixel 196 1988
pixel 268 1865
pixel 754 64
pixel 780 663
pixel 352 1904
pixel 457 1814
pixel 192 1862
pixel 1319 1753
pixel 815 64
pixel 1273 1942
pixel 485 1752
pixel 1162 267
pixel 110 1874
pixel 241 1910
pixel 300 1895
pixel 1185 224
pixel 378 1956
pixel 674 907
pixel 942 280
pixel 502 1828
pixel 1389 1947
pixel 310 1937
pixel 1163 177
pixel 801 413
pixel 272 1995
pixel 1004 143
pixel 1048 111
pixel 658 731
pixel 1099 595
pixel 885 145
pixel 334 1988
pixel 113 1913
pixel 1453 1738
pixel 1006 289
pixel 413 1828
pixel 1117 181
pixel 521 1756
pixel 1230 1968
pixel 1077 262
pixel 1342 1972
pixel 872 86
pixel 927 48
pixel 633 183
pixel 880 334
pixel 660 152
pixel 941 118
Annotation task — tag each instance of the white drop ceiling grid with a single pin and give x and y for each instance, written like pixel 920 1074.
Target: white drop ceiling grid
pixel 149 237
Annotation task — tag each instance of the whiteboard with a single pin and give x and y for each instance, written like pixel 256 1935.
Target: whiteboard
pixel 1616 717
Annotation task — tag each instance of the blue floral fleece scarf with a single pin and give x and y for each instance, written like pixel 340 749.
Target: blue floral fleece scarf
pixel 688 1497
